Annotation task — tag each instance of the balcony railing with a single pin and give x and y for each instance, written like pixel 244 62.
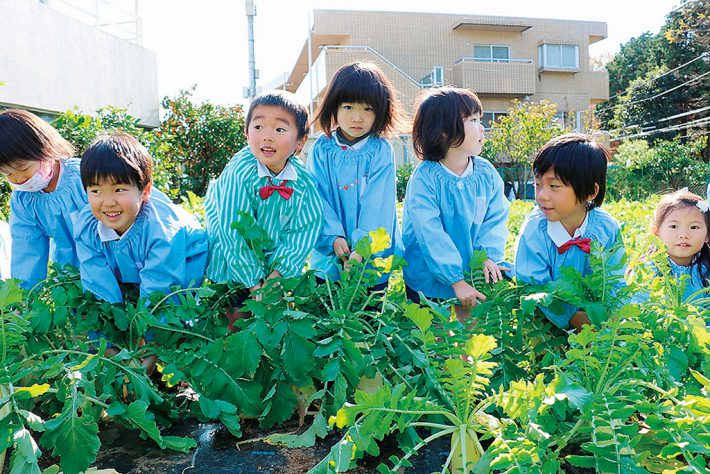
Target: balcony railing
pixel 513 77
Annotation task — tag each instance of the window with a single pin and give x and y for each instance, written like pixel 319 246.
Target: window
pixel 433 79
pixel 564 56
pixel 488 119
pixel 491 53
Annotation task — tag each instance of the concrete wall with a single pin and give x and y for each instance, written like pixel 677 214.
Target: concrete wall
pixel 51 63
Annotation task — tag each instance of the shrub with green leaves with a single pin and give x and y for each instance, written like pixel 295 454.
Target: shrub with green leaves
pixel 640 171
pixel 199 139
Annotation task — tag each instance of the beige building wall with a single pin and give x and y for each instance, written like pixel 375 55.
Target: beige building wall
pixel 408 45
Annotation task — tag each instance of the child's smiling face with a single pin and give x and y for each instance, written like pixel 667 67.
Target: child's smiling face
pixel 559 202
pixel 684 231
pixel 273 136
pixel 116 204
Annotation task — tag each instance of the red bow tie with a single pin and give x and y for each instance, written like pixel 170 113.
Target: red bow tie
pixel 579 242
pixel 283 190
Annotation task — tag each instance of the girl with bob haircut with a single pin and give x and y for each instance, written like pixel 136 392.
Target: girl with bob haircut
pixel 47 189
pixel 681 221
pixel 570 183
pixel 353 166
pixel 130 233
pixel 454 203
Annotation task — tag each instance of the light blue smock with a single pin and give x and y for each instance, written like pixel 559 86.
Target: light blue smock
pixel 687 275
pixel 537 260
pixel 447 218
pixel 358 190
pixel 164 247
pixel 38 219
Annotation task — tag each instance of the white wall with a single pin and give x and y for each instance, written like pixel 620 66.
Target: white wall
pixel 51 63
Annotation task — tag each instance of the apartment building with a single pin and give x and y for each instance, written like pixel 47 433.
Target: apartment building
pixel 52 60
pixel 501 58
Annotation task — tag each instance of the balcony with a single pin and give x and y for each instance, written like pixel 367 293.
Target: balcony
pixel 511 77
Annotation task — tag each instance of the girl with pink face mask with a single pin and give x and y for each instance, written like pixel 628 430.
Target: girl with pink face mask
pixel 47 189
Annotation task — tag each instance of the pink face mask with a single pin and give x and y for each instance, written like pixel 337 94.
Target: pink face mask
pixel 37 182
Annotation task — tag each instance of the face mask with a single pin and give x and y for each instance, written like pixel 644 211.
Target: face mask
pixel 37 182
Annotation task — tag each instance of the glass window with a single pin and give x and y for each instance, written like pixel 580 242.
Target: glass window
pixel 487 120
pixel 553 55
pixel 488 52
pixel 482 52
pixel 500 53
pixel 568 55
pixel 558 56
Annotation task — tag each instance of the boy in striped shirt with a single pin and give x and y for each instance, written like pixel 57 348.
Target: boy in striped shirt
pixel 268 182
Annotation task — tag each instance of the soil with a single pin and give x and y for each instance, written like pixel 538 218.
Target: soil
pixel 219 452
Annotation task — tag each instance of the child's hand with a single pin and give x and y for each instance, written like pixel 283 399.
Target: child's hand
pixel 467 294
pixel 274 274
pixel 353 256
pixel 341 249
pixel 491 271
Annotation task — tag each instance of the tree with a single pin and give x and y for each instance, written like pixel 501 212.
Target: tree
pixel 200 139
pixel 514 140
pixel 635 59
pixel 658 81
pixel 81 130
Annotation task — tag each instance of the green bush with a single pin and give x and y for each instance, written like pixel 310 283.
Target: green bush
pixel 200 139
pixel 640 171
pixel 81 130
pixel 403 174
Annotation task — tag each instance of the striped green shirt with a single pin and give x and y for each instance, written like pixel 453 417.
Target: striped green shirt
pixel 293 225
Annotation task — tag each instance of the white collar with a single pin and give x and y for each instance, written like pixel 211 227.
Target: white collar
pixel 355 146
pixel 288 173
pixel 467 172
pixel 559 234
pixel 107 234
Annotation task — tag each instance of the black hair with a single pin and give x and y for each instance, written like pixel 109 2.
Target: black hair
pixel 439 120
pixel 26 137
pixel 287 101
pixel 578 161
pixel 365 83
pixel 119 158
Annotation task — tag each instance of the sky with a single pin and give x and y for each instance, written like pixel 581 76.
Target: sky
pixel 205 42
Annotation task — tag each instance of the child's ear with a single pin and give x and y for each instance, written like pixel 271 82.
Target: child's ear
pixel 596 191
pixel 300 144
pixel 145 194
pixel 593 196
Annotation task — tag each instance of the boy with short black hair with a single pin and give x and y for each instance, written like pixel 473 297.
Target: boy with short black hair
pixel 131 233
pixel 268 182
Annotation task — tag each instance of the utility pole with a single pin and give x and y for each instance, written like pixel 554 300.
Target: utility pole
pixel 250 92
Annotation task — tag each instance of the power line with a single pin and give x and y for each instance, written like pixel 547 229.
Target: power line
pixel 702 55
pixel 695 123
pixel 626 104
pixel 690 112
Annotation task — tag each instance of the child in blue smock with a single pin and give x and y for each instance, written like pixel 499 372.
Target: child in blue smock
pixel 570 183
pixel 130 233
pixel 454 203
pixel 47 189
pixel 353 166
pixel 681 221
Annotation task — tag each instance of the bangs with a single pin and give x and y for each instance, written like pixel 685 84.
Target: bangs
pixel 363 91
pixel 467 105
pixel 119 159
